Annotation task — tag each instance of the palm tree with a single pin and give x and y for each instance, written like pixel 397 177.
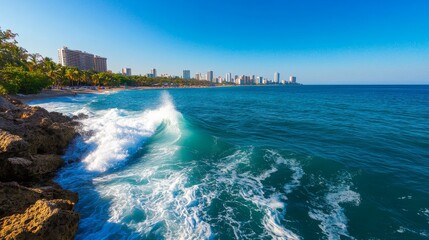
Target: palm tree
pixel 95 79
pixel 60 75
pixel 33 61
pixel 86 77
pixel 73 75
pixel 50 68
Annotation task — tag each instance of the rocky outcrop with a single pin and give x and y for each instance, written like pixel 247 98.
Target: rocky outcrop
pixel 45 219
pixel 32 206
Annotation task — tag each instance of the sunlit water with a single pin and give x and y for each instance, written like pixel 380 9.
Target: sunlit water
pixel 302 162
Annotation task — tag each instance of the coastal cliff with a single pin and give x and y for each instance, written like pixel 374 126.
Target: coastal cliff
pixel 32 205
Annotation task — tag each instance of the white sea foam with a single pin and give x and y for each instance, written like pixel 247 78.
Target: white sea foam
pixel 250 188
pixel 426 213
pixel 118 134
pixel 293 165
pixel 330 211
pixel 153 197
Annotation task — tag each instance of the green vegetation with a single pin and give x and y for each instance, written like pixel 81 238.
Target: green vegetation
pixel 22 72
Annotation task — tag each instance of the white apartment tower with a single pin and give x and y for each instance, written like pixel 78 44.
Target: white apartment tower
pixel 81 60
pixel 126 71
pixel 228 77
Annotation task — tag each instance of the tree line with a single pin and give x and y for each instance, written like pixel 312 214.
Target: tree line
pixel 27 73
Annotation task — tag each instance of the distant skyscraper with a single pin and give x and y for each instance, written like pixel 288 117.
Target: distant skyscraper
pixel 276 77
pixel 126 71
pixel 153 72
pixel 81 60
pixel 228 77
pixel 292 79
pixel 186 74
pixel 197 76
pixel 209 76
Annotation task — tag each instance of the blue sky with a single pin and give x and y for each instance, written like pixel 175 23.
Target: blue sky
pixel 321 42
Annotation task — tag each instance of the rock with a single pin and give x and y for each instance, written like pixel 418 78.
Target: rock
pixel 32 206
pixel 15 198
pixel 37 168
pixel 80 116
pixel 16 169
pixel 10 143
pixel 6 105
pixel 46 219
pixel 44 131
pixel 43 165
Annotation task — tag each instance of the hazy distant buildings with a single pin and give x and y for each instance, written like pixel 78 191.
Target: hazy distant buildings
pixel 197 76
pixel 292 79
pixel 153 72
pixel 209 76
pixel 277 77
pixel 252 79
pixel 81 60
pixel 228 77
pixel 186 74
pixel 126 71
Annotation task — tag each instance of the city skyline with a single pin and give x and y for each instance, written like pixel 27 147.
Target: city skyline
pixel 320 44
pixel 88 61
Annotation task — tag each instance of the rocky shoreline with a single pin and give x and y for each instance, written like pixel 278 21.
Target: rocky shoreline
pixel 32 141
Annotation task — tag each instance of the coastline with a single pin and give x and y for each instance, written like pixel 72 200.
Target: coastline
pixel 52 93
pixel 32 142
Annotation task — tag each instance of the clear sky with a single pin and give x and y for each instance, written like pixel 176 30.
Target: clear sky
pixel 321 42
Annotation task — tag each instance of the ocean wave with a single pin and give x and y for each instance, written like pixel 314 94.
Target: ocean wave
pixel 153 197
pixel 250 188
pixel 294 166
pixel 329 210
pixel 118 134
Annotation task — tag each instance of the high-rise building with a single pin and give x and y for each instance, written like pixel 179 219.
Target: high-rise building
pixel 209 76
pixel 292 79
pixel 186 74
pixel 153 72
pixel 277 77
pixel 228 77
pixel 197 76
pixel 100 64
pixel 126 71
pixel 81 60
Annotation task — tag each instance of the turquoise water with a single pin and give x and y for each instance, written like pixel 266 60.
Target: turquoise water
pixel 301 162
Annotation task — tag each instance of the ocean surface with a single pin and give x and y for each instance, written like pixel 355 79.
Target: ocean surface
pixel 272 162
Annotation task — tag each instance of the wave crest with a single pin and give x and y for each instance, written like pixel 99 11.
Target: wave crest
pixel 118 134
